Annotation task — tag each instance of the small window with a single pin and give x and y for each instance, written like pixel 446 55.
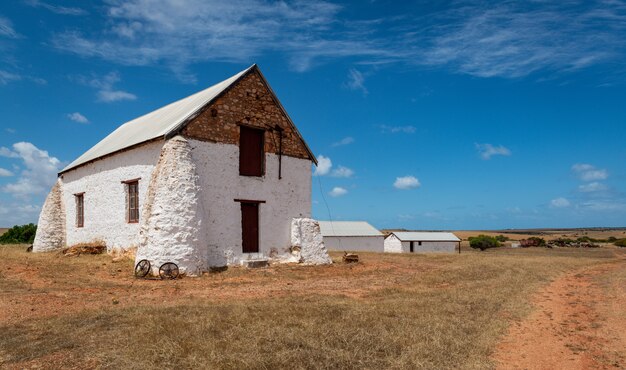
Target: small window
pixel 133 202
pixel 80 210
pixel 251 151
pixel 419 243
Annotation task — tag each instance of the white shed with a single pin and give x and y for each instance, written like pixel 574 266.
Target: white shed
pixel 419 242
pixel 352 236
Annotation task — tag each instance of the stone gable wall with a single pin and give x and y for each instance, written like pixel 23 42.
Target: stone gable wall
pixel 249 102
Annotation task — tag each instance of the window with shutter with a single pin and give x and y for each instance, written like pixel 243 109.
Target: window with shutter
pixel 80 210
pixel 251 151
pixel 133 202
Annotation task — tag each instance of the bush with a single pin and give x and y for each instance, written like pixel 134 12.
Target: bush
pixel 620 243
pixel 501 238
pixel 24 234
pixel 533 241
pixel 483 242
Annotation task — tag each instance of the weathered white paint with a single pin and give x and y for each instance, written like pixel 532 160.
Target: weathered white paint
pixel 355 243
pixel 173 226
pixel 105 196
pixel 308 243
pixel 393 244
pixel 429 246
pixel 51 226
pixel 220 182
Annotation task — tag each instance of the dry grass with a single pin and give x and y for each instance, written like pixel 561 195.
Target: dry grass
pixel 388 311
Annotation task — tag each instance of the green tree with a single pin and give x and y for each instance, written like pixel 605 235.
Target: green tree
pixel 24 234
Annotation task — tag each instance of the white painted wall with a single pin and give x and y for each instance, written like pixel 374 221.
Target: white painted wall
pixel 355 243
pixel 105 196
pixel 218 170
pixel 430 247
pixel 393 244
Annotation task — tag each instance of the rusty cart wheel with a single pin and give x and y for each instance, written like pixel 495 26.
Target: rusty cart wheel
pixel 142 268
pixel 168 270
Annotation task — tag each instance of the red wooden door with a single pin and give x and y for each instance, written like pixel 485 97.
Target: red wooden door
pixel 250 227
pixel 251 151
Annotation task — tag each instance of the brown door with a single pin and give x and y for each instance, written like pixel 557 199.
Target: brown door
pixel 250 227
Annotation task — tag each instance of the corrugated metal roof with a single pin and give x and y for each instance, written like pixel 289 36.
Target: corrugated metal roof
pixel 163 122
pixel 348 228
pixel 426 236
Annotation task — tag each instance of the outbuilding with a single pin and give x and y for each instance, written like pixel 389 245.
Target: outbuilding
pixel 421 242
pixel 352 236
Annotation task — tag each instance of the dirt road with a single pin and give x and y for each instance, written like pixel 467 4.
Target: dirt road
pixel 579 322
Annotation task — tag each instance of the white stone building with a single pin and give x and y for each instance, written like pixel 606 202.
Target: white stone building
pixel 351 236
pixel 209 180
pixel 420 242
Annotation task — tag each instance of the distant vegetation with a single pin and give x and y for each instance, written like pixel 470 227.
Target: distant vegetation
pixel 620 243
pixel 24 234
pixel 483 242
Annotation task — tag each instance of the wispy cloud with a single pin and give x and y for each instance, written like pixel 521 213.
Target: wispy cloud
pixel 356 81
pixel 386 129
pixel 105 85
pixel 5 172
pixel 6 28
pixel 588 172
pixel 6 77
pixel 345 141
pixel 486 151
pixel 55 8
pixel 486 39
pixel 39 173
pixel 592 187
pixel 342 171
pixel 559 203
pixel 77 117
pixel 406 183
pixel 338 191
pixel 10 130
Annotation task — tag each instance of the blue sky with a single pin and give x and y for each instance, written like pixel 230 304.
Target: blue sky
pixel 424 115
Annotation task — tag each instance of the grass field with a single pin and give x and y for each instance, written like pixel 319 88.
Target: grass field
pixel 388 311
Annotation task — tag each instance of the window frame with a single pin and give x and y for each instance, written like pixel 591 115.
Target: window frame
pixel 80 209
pixel 261 170
pixel 132 201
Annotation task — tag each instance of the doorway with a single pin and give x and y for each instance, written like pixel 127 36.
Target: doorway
pixel 411 246
pixel 250 227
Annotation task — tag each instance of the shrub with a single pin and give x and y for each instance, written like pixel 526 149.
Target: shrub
pixel 24 234
pixel 533 241
pixel 501 238
pixel 620 243
pixel 483 242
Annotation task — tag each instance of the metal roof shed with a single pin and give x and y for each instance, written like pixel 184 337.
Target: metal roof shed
pixel 351 236
pixel 419 242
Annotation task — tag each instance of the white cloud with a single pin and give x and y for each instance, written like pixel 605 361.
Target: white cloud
pixel 5 173
pixel 559 203
pixel 6 77
pixel 592 187
pixel 342 171
pixel 324 164
pixel 345 141
pixel 105 85
pixel 406 182
pixel 77 117
pixel 487 151
pixel 39 174
pixel 18 214
pixel 6 28
pixel 356 81
pixel 338 191
pixel 587 172
pixel 55 8
pixel 604 205
pixel 10 130
pixel 397 129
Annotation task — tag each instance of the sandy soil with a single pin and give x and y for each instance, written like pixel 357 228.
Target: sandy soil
pixel 579 322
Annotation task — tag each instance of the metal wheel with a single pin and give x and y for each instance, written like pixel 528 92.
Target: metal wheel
pixel 168 270
pixel 142 268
